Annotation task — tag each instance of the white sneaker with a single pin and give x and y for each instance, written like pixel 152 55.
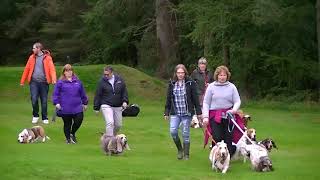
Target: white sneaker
pixel 35 120
pixel 46 121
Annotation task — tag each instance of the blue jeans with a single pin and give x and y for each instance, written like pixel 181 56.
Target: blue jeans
pixel 185 121
pixel 39 89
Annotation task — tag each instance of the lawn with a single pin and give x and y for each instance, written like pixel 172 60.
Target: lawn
pixel 153 154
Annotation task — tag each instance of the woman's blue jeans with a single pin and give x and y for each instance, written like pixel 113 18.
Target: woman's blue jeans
pixel 175 121
pixel 39 90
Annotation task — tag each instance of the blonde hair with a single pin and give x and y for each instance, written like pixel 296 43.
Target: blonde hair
pixel 64 69
pixel 179 66
pixel 219 69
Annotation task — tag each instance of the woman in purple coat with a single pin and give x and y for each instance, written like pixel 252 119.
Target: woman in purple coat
pixel 70 100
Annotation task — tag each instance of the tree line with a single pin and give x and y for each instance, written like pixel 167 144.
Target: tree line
pixel 270 46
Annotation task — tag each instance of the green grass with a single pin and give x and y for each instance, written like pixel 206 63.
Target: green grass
pixel 153 154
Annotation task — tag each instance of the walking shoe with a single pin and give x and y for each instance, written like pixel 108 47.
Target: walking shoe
pixel 73 138
pixel 45 121
pixel 69 141
pixel 35 120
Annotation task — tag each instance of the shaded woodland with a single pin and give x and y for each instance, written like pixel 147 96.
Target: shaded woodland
pixel 270 46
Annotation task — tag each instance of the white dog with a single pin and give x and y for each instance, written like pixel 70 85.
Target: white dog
pixel 32 135
pixel 195 123
pixel 220 157
pixel 259 158
pixel 242 143
pixel 114 144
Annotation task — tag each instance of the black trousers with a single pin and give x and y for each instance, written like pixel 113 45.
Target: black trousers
pixel 72 123
pixel 220 131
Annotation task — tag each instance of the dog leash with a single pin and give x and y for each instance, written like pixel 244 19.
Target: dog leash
pixel 54 115
pixel 237 125
pixel 210 135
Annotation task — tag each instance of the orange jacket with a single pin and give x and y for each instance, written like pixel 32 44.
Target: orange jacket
pixel 48 65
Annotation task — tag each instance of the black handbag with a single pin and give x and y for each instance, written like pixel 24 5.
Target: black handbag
pixel 131 111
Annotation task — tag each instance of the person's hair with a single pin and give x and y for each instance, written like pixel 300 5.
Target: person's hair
pixel 108 68
pixel 219 69
pixel 64 69
pixel 179 66
pixel 38 45
pixel 202 60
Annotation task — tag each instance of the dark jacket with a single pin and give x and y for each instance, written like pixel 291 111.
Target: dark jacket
pixel 191 98
pixel 105 94
pixel 70 95
pixel 200 78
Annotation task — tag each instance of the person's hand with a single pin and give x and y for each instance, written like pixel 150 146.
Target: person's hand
pixel 166 118
pixel 84 107
pixel 232 111
pixel 205 121
pixel 124 105
pixel 58 106
pixel 21 84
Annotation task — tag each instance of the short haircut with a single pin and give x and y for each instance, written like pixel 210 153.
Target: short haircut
pixel 202 60
pixel 38 45
pixel 108 68
pixel 219 69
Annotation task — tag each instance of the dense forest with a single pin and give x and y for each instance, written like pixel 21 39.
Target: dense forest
pixel 270 46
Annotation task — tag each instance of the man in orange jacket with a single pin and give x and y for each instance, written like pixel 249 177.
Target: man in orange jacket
pixel 39 72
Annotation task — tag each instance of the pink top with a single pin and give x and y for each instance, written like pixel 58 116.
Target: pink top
pixel 216 115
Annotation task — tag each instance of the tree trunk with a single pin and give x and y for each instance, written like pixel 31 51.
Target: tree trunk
pixel 318 37
pixel 167 37
pixel 226 54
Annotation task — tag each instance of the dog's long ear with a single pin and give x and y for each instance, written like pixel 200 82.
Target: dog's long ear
pixel 274 144
pixel 112 145
pixel 127 146
pixel 119 145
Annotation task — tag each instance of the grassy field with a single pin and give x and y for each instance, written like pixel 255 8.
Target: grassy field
pixel 153 154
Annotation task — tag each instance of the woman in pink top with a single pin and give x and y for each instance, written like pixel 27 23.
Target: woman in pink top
pixel 221 96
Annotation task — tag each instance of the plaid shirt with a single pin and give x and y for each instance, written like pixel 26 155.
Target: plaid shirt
pixel 179 93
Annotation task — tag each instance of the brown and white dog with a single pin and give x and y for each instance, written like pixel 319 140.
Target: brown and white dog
pixel 259 157
pixel 245 117
pixel 114 144
pixel 220 157
pixel 32 135
pixel 242 143
pixel 268 143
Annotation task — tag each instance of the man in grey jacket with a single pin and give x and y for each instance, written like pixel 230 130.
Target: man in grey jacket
pixel 202 76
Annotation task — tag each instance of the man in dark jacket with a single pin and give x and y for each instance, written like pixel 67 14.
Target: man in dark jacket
pixel 202 76
pixel 111 97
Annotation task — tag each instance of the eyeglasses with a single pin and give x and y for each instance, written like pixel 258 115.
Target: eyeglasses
pixel 108 75
pixel 68 70
pixel 180 72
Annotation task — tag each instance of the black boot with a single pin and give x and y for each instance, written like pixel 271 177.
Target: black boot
pixel 186 148
pixel 179 147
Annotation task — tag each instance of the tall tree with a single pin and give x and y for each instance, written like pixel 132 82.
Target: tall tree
pixel 166 35
pixel 63 30
pixel 318 37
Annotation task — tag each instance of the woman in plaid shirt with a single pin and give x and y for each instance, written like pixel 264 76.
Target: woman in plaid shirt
pixel 182 102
